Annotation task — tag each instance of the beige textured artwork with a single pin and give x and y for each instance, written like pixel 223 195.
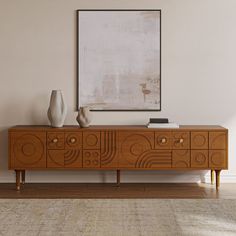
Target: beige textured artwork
pixel 119 60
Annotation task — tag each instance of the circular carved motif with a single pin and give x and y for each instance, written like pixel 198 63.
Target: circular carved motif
pixel 87 154
pixel 28 149
pixel 199 140
pixel 133 146
pixel 216 159
pixel 95 162
pixel 95 154
pixel 200 158
pixel 136 149
pixel 91 140
pixel 162 140
pixel 88 162
pixel 181 164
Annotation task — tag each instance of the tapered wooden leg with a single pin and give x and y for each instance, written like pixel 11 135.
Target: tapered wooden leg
pixel 212 176
pixel 217 179
pixel 17 180
pixel 117 177
pixel 23 176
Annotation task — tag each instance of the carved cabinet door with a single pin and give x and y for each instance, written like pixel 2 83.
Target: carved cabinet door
pixel 218 150
pixel 136 150
pixel 64 150
pixel 27 150
pixel 91 149
pixel 109 149
pixel 133 148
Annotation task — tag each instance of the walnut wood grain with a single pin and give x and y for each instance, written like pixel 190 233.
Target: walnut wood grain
pixel 199 158
pixel 199 140
pixel 163 140
pixel 181 158
pixel 91 140
pixel 217 140
pixel 109 149
pixel 55 140
pixel 27 149
pixel 118 148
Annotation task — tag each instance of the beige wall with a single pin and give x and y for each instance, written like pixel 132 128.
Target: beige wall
pixel 37 54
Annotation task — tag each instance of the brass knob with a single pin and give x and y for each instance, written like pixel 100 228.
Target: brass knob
pixel 181 140
pixel 163 140
pixel 72 140
pixel 55 140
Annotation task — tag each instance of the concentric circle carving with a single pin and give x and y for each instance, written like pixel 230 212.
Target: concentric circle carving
pixel 136 149
pixel 181 164
pixel 200 158
pixel 199 140
pixel 216 159
pixel 87 154
pixel 95 154
pixel 91 140
pixel 28 149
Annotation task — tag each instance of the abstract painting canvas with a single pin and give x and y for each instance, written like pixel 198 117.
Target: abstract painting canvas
pixel 119 59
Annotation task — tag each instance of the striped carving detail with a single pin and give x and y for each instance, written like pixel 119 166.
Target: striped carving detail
pixel 108 151
pixel 154 158
pixel 71 156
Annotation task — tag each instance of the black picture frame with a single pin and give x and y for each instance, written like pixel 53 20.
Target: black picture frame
pixel 77 61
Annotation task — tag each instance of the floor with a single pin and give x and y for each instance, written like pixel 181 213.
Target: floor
pixel 125 190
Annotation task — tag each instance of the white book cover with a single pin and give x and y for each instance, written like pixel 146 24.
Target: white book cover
pixel 163 125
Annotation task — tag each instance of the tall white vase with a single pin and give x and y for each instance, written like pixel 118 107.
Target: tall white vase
pixel 57 109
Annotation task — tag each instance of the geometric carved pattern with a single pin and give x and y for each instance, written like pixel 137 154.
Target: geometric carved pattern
pixel 108 149
pixel 73 140
pixel 114 148
pixel 55 158
pixel 199 158
pixel 28 149
pixel 199 140
pixel 73 158
pixel 181 140
pixel 64 158
pixel 154 159
pixel 55 140
pixel 91 158
pixel 163 140
pixel 181 158
pixel 217 158
pixel 132 146
pixel 217 140
pixel 91 140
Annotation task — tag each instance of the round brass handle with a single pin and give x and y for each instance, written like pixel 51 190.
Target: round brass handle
pixel 72 140
pixel 55 140
pixel 181 140
pixel 163 140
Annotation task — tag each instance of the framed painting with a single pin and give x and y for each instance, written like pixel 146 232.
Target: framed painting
pixel 119 60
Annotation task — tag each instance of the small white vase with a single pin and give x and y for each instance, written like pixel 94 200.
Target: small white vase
pixel 84 117
pixel 57 109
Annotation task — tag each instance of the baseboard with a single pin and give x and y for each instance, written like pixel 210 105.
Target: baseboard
pixel 97 177
pixel 223 178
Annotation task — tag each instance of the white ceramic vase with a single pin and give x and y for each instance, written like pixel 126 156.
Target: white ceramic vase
pixel 84 117
pixel 57 109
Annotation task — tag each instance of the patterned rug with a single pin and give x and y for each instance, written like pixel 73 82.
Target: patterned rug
pixel 113 217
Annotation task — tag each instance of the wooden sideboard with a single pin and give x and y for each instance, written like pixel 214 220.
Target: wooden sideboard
pixel 117 148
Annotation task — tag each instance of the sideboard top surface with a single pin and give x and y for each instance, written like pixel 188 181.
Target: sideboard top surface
pixel 115 127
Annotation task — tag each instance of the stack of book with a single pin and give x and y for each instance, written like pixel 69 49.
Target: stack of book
pixel 161 123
